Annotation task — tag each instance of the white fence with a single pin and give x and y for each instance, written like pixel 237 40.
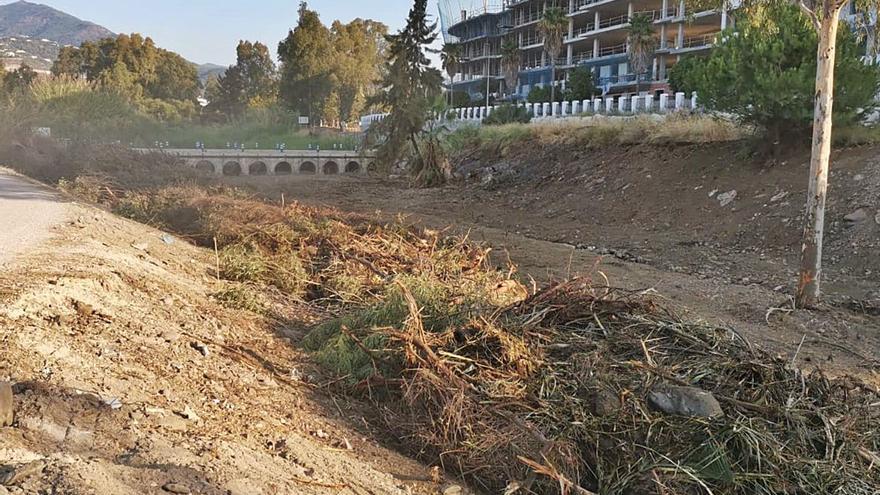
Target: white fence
pixel 609 105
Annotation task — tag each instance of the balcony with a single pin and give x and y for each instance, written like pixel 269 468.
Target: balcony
pixel 530 41
pixel 527 19
pixel 607 51
pixel 701 41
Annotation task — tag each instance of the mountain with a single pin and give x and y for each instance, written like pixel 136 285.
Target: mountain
pixel 207 71
pixel 43 22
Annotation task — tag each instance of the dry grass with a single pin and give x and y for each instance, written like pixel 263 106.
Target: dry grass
pixel 550 395
pixel 601 131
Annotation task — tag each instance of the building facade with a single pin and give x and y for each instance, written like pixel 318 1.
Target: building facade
pixel 596 39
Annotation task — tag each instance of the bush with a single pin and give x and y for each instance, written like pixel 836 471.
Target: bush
pixel 508 114
pixel 765 71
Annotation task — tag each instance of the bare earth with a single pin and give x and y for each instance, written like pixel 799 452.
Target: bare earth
pixel 130 379
pixel 28 212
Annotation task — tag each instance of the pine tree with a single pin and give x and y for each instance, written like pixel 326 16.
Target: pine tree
pixel 409 88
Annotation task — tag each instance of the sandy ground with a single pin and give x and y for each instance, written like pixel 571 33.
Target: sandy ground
pixel 130 379
pixel 28 212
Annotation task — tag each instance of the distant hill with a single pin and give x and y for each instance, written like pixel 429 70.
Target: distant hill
pixel 43 22
pixel 38 54
pixel 207 71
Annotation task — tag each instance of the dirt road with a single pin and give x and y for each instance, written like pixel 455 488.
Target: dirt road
pixel 28 212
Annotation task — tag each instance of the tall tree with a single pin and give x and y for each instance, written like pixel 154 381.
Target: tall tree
pixel 258 73
pixel 306 57
pixel 450 59
pixel 641 43
pixel 410 86
pixel 510 59
pixel 552 26
pixel 358 54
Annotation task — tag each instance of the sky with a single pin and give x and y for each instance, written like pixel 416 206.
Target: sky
pixel 207 31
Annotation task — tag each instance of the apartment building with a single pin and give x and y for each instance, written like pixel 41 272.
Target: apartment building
pixel 596 39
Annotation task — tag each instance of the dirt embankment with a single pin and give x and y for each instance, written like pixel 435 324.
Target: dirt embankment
pixel 131 379
pixel 652 216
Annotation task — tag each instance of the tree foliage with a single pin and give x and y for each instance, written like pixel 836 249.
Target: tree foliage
pixel 641 43
pixel 18 80
pixel 765 73
pixel 329 73
pixel 409 88
pixel 510 59
pixel 250 83
pixel 306 57
pixel 552 26
pixel 136 68
pixel 508 114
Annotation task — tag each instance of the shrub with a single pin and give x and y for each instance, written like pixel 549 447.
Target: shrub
pixel 508 114
pixel 764 73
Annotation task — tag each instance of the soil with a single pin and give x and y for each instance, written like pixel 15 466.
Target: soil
pixel 650 217
pixel 130 379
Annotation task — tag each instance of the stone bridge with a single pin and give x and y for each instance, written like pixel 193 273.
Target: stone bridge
pixel 232 163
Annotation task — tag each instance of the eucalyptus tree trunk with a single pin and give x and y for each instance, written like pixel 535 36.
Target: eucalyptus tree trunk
pixel 811 252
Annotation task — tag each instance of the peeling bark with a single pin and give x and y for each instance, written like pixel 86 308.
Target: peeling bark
pixel 811 253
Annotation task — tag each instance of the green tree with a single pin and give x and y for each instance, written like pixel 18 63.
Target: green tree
pixel 408 90
pixel 641 44
pixel 510 59
pixel 134 65
pixel 306 57
pixel 552 26
pixel 227 95
pixel 450 59
pixel 765 74
pixel 359 52
pixel 19 80
pixel 580 84
pixel 258 71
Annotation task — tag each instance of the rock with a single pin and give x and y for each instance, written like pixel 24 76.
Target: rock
pixel 175 488
pixel 202 348
pixel 877 218
pixel 173 422
pixel 858 177
pixel 606 403
pixel 170 336
pixel 3 490
pixel 15 475
pixel 685 401
pixel 857 216
pixel 167 238
pixel 453 490
pixel 189 414
pixel 7 407
pixel 779 196
pixel 727 198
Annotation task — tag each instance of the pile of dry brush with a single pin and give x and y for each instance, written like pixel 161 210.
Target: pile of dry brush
pixel 549 395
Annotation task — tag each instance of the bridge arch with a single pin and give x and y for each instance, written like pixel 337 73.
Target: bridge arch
pixel 330 168
pixel 283 168
pixel 308 167
pixel 232 169
pixel 205 166
pixel 258 168
pixel 352 167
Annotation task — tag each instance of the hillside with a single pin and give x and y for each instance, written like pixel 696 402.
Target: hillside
pixel 43 22
pixel 38 54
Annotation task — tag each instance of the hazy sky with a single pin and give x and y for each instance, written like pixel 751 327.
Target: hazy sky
pixel 208 30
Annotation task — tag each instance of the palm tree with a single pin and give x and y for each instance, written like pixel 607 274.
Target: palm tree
pixel 450 57
pixel 642 43
pixel 552 26
pixel 510 63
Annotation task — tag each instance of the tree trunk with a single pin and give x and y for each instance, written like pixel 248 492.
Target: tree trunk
pixel 811 252
pixel 552 81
